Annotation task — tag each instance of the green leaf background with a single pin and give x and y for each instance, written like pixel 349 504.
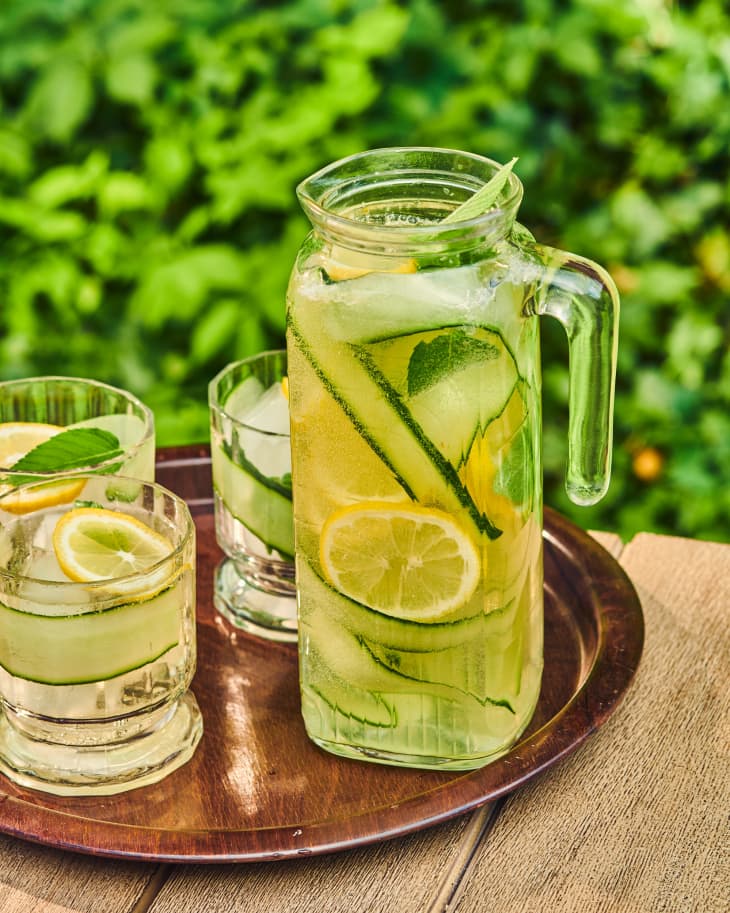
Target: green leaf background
pixel 149 154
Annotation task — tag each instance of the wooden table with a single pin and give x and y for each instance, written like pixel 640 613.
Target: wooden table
pixel 635 821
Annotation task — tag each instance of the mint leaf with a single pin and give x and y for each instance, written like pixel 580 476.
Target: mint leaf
pixel 432 361
pixel 284 481
pixel 72 449
pixel 484 199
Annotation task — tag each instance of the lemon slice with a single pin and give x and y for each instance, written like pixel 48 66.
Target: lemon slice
pixel 343 264
pixel 406 561
pixel 17 439
pixel 93 544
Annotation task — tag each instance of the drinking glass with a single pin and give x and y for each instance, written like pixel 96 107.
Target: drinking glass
pixel 35 409
pixel 97 636
pixel 250 450
pixel 414 364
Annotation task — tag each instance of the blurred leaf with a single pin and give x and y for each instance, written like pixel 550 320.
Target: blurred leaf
pixel 250 337
pixel 573 47
pixel 662 282
pixel 215 329
pixel 655 394
pixel 640 218
pixel 106 249
pixel 131 78
pixel 688 208
pixel 89 295
pixel 370 33
pixel 39 223
pixel 655 158
pixel 168 159
pixel 60 99
pixel 713 253
pixel 143 33
pixel 16 154
pixel 692 340
pixel 121 191
pixel 69 182
pixel 177 290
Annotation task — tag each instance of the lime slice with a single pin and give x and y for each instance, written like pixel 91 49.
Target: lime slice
pixel 93 544
pixel 408 561
pixel 17 439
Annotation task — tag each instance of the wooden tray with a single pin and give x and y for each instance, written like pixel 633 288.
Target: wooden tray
pixel 258 789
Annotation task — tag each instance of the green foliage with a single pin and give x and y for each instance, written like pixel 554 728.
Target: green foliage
pixel 149 154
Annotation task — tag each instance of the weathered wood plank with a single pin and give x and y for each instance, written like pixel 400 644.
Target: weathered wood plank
pixel 36 879
pixel 403 875
pixel 636 821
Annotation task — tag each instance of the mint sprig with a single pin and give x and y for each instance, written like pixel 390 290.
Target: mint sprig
pixel 484 199
pixel 76 448
pixel 431 361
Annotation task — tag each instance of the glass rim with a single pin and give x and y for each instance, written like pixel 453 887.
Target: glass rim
pixel 127 453
pixel 188 533
pixel 390 234
pixel 213 399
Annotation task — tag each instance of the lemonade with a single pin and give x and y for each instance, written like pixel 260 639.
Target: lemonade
pixel 417 509
pixel 97 638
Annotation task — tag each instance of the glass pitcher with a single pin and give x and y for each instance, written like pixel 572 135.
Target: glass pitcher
pixel 414 379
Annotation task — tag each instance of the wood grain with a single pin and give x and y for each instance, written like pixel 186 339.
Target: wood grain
pixel 402 876
pixel 34 879
pixel 636 821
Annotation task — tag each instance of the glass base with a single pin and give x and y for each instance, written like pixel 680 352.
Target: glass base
pixel 271 615
pixel 103 768
pixel 396 759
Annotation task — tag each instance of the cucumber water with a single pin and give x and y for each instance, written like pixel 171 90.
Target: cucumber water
pixel 86 652
pixel 252 469
pixel 412 403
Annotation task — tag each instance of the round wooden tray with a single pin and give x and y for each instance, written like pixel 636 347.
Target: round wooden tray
pixel 258 789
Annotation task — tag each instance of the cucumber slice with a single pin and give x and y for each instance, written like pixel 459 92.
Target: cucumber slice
pixel 366 707
pixel 479 656
pixel 353 476
pixel 381 305
pixel 489 669
pixel 353 378
pixel 333 665
pixel 510 436
pixel 263 505
pixel 398 633
pixel 95 646
pixel 499 468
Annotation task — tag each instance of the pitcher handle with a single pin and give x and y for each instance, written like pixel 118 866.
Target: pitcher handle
pixel 582 296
